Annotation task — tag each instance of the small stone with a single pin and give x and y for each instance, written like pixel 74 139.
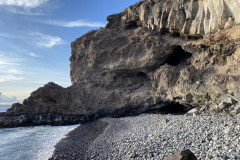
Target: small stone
pixel 237 109
pixel 194 110
pixel 226 131
pixel 222 106
pixel 238 115
pixel 221 121
pixel 164 121
pixel 215 138
pixel 226 148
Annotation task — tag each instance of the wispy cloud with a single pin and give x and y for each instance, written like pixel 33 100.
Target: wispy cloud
pixel 25 7
pixel 5 99
pixel 77 23
pixel 6 71
pixel 44 40
pixel 23 3
pixel 40 39
pixel 7 63
pixel 7 78
pixel 7 35
pixel 9 59
pixel 9 69
pixel 13 71
pixel 33 55
pixel 21 11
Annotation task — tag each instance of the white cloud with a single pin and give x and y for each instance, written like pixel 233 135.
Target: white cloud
pixel 6 78
pixel 7 35
pixel 23 3
pixel 7 63
pixel 49 41
pixel 5 99
pixel 33 55
pixel 42 40
pixel 26 7
pixel 21 11
pixel 13 71
pixel 9 69
pixel 77 23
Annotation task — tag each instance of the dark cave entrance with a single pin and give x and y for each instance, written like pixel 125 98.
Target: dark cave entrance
pixel 173 108
pixel 131 25
pixel 178 56
pixel 170 108
pixel 142 74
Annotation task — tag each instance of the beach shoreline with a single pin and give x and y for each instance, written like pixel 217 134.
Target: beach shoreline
pixel 152 136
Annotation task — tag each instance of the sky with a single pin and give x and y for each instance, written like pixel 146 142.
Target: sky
pixel 35 40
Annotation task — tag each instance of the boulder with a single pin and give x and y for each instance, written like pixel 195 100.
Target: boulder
pixel 182 155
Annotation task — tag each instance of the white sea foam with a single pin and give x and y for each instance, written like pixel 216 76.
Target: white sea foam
pixel 31 143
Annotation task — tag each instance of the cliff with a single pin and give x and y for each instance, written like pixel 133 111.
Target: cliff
pixel 157 55
pixel 191 17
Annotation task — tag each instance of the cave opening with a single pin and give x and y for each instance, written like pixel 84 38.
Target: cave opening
pixel 51 101
pixel 131 25
pixel 173 108
pixel 178 56
pixel 142 75
pixel 170 108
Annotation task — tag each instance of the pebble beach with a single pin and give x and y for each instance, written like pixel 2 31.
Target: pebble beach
pixel 153 136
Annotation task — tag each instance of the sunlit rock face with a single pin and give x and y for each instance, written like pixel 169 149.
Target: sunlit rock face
pixel 162 55
pixel 191 17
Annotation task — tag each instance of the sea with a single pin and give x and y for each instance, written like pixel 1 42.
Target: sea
pixel 30 143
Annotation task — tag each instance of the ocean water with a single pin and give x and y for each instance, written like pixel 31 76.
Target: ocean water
pixel 3 108
pixel 30 143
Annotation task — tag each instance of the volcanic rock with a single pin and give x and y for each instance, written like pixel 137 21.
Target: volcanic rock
pixel 182 155
pixel 157 55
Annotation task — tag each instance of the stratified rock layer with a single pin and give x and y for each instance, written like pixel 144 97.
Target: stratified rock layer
pixel 136 64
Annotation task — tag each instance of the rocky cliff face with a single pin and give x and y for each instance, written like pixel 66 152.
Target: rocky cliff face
pixel 155 55
pixel 190 17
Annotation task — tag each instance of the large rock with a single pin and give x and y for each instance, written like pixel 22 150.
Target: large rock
pixel 182 155
pixel 145 59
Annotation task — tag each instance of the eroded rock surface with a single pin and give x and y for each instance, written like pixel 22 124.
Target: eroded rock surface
pixel 191 17
pixel 130 67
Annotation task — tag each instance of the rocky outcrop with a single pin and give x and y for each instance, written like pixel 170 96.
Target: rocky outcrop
pixel 130 67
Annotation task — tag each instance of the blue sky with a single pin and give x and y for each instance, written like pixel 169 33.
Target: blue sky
pixel 35 38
